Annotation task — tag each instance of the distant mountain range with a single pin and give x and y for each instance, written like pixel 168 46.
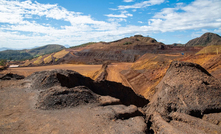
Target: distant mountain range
pixel 123 50
pixel 4 48
pixel 29 53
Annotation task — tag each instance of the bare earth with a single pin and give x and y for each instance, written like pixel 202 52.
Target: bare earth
pixel 19 115
pixel 21 101
pixel 114 70
pixel 86 70
pixel 18 112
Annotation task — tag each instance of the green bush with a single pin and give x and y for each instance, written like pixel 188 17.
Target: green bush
pixel 127 43
pixel 3 62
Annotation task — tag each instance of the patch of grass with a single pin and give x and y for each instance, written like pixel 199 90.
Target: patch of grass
pixel 38 60
pixel 213 49
pixel 60 54
pixel 48 59
pixel 199 59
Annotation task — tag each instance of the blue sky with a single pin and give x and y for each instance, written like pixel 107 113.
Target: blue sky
pixel 27 23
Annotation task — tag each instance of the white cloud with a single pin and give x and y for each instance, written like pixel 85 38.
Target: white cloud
pixel 18 26
pixel 117 15
pixel 217 30
pixel 140 22
pixel 141 4
pixel 19 22
pixel 124 14
pixel 161 40
pixel 199 14
pixel 128 0
pixel 117 19
pixel 196 34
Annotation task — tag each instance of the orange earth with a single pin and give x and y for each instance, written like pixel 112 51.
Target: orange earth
pixel 86 70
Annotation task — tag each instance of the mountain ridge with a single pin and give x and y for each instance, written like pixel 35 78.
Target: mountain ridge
pixel 123 50
pixel 127 49
pixel 206 39
pixel 30 53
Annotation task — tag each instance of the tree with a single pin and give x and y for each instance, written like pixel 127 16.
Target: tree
pixel 3 62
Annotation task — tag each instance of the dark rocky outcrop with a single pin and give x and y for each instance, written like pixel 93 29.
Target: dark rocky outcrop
pixel 57 97
pixel 205 40
pixel 11 76
pixel 70 79
pixel 186 88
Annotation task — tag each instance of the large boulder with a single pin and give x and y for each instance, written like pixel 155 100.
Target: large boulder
pixel 57 77
pixel 186 88
pixel 70 79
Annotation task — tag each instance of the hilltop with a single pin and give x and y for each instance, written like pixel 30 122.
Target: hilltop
pixel 206 39
pixel 45 49
pixel 29 53
pixel 122 50
pixel 210 41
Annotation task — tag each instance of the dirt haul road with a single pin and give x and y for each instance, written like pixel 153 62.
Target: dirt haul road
pixel 86 70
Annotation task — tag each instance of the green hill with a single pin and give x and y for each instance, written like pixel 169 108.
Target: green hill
pixel 45 49
pixel 29 53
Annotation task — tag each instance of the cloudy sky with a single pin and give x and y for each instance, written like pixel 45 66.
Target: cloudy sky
pixel 28 23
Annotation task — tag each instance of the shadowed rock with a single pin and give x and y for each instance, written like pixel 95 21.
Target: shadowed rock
pixel 11 76
pixel 58 97
pixel 67 78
